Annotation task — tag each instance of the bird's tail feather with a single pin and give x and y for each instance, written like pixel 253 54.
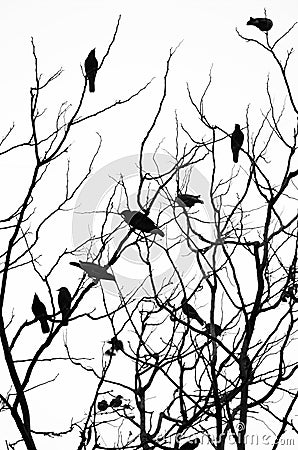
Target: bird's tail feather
pixel 200 320
pixel 76 264
pixel 235 156
pixel 91 85
pixel 158 231
pixel 65 314
pixel 44 326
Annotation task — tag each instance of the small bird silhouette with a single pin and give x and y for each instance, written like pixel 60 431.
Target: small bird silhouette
pixel 64 302
pixel 262 23
pixel 91 66
pixel 237 139
pixel 140 221
pixel 191 313
pixel 102 405
pixel 116 402
pixel 217 329
pixel 117 345
pixel 188 200
pixel 40 312
pixel 94 270
pixel 190 445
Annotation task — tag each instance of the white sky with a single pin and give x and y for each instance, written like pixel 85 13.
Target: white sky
pixel 65 31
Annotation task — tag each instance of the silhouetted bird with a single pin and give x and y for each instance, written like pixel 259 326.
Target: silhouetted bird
pixel 117 345
pixel 64 302
pixel 191 313
pixel 94 270
pixel 139 221
pixel 217 329
pixel 190 445
pixel 116 402
pixel 91 66
pixel 40 312
pixel 102 405
pixel 236 142
pixel 188 200
pixel 262 23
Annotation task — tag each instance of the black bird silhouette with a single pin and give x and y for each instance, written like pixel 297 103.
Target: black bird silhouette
pixel 188 200
pixel 64 302
pixel 139 221
pixel 190 445
pixel 117 345
pixel 191 313
pixel 262 23
pixel 94 270
pixel 91 66
pixel 217 329
pixel 102 405
pixel 236 142
pixel 40 312
pixel 116 402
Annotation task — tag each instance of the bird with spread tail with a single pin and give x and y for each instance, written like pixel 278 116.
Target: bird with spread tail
pixel 94 270
pixel 40 313
pixel 139 221
pixel 262 23
pixel 188 200
pixel 64 302
pixel 237 139
pixel 91 67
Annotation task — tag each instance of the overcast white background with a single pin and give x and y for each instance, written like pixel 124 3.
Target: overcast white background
pixel 64 32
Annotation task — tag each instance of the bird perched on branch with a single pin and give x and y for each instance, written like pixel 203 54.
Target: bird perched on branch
pixel 262 23
pixel 188 200
pixel 140 221
pixel 237 139
pixel 40 312
pixel 116 402
pixel 94 270
pixel 102 405
pixel 116 346
pixel 217 329
pixel 64 302
pixel 91 66
pixel 190 445
pixel 191 313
